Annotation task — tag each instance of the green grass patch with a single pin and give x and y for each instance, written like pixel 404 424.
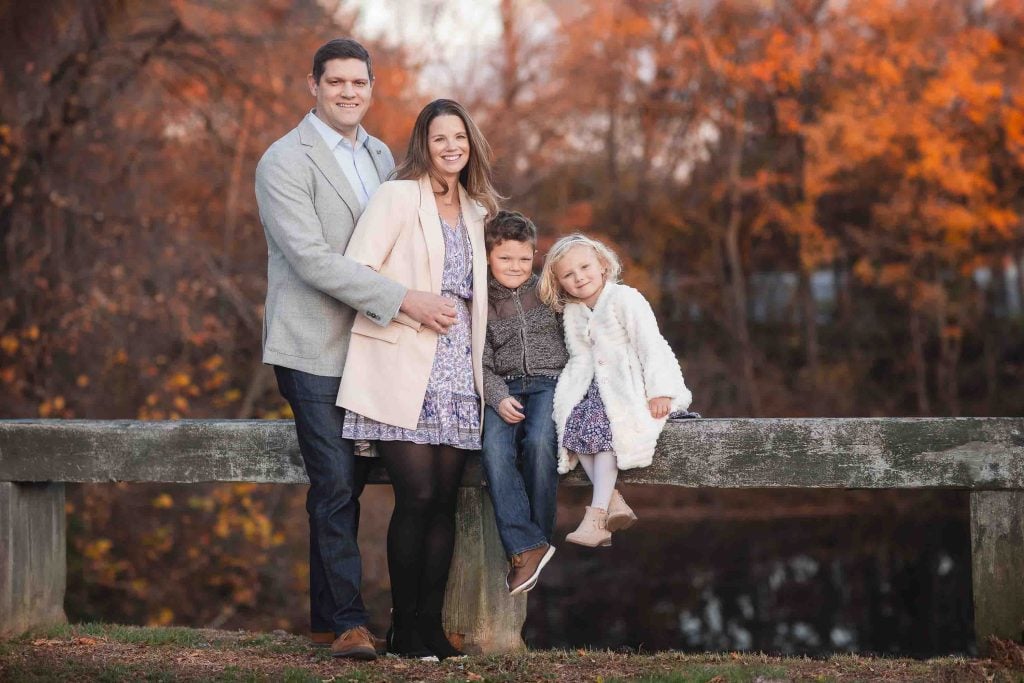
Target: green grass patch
pixel 177 636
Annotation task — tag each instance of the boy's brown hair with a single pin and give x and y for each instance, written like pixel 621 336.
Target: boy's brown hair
pixel 509 225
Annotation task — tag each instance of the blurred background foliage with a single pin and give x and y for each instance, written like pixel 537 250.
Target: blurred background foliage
pixel 822 200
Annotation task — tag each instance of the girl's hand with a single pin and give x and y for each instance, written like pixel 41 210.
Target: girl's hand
pixel 659 406
pixel 511 410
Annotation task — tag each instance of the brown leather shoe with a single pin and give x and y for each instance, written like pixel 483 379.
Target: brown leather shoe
pixel 526 567
pixel 326 638
pixel 355 643
pixel 321 638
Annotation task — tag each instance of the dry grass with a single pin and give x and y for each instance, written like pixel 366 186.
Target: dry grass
pixel 115 653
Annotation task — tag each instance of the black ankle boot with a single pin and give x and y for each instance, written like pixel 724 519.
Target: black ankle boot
pixel 404 639
pixel 431 632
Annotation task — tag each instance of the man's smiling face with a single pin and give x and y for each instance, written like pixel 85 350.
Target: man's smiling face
pixel 343 94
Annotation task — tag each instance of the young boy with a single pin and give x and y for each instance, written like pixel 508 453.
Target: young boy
pixel 524 352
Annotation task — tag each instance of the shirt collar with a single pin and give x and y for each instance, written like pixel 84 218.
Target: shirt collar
pixel 332 137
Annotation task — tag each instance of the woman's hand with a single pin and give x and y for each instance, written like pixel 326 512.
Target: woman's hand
pixel 429 309
pixel 659 406
pixel 510 410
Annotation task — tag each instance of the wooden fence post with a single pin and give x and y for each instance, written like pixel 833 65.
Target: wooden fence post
pixel 997 559
pixel 479 614
pixel 33 556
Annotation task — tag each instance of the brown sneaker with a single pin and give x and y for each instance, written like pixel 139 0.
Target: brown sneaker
pixel 355 643
pixel 326 638
pixel 321 638
pixel 526 568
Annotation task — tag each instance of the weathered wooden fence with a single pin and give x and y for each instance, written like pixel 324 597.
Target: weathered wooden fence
pixel 983 455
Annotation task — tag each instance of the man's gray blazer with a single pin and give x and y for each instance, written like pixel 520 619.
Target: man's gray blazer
pixel 308 211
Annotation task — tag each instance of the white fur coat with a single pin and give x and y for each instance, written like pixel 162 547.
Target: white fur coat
pixel 619 343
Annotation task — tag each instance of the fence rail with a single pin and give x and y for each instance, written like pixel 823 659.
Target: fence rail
pixel 982 455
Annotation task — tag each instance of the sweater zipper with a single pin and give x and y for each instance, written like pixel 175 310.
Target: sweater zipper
pixel 522 329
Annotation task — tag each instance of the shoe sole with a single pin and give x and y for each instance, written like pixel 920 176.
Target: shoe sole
pixel 360 654
pixel 605 544
pixel 532 581
pixel 620 522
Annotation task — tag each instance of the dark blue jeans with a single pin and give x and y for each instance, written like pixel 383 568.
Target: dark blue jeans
pixel 524 499
pixel 336 478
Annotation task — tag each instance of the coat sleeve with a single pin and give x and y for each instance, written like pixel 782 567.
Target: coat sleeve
pixel 495 387
pixel 662 375
pixel 286 208
pixel 377 231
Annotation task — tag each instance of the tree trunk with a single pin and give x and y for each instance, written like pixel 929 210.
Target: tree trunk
pixel 510 54
pixel 919 363
pixel 809 318
pixel 734 259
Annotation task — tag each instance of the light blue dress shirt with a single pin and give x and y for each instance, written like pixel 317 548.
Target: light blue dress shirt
pixel 355 162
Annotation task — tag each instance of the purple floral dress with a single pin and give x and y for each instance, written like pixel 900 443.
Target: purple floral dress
pixel 451 406
pixel 587 429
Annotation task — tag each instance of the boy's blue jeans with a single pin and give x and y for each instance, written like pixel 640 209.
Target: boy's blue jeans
pixel 524 499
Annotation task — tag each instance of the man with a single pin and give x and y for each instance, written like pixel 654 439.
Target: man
pixel 311 187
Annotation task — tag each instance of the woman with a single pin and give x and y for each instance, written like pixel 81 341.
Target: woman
pixel 412 391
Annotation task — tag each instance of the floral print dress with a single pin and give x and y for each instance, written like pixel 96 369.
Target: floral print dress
pixel 587 430
pixel 451 406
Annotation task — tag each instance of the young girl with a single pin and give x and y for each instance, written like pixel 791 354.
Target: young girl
pixel 621 382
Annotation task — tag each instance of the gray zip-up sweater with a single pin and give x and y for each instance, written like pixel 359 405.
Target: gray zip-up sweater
pixel 524 337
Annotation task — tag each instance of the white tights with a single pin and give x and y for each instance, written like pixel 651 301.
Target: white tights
pixel 602 469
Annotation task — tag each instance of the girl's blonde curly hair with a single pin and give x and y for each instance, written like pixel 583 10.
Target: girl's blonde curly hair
pixel 551 293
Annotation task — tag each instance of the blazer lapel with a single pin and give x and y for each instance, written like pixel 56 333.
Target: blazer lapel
pixel 323 159
pixel 475 227
pixel 378 159
pixel 430 224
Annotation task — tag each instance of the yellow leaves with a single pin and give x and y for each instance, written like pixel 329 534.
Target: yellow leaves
pixel 178 380
pixel 864 271
pixel 52 407
pixel 163 617
pixel 82 381
pixel 163 502
pixel 9 344
pixel 94 550
pixel 228 397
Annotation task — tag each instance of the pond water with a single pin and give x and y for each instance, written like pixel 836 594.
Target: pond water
pixel 885 572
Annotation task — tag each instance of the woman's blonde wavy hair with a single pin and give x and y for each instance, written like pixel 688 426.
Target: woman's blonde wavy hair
pixel 550 292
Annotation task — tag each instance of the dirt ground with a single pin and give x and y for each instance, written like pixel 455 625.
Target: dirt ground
pixel 114 653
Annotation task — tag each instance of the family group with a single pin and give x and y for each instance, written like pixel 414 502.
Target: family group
pixel 404 318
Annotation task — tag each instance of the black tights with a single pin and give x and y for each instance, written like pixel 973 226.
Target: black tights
pixel 421 536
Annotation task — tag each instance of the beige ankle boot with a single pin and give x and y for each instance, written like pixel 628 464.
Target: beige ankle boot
pixel 592 532
pixel 620 516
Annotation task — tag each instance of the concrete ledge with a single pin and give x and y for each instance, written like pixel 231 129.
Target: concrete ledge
pixel 964 453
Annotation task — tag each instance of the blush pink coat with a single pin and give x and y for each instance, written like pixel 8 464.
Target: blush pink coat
pixel 399 236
